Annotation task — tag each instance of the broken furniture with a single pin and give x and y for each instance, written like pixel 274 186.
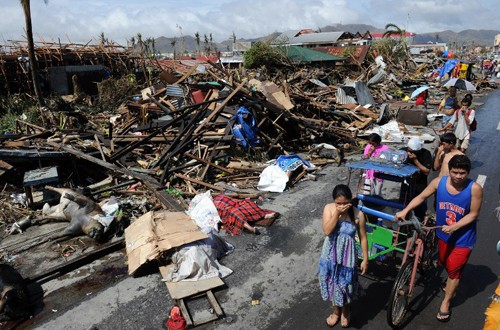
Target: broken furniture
pixel 184 291
pixel 39 177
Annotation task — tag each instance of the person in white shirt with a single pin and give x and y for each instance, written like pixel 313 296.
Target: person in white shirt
pixel 463 117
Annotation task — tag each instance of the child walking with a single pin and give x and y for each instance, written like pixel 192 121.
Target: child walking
pixel 373 185
pixel 338 274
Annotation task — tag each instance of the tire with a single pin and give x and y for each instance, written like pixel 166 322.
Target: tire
pixel 430 249
pixel 398 301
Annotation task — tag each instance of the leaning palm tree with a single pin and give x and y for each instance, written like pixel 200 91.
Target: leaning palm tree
pixel 392 29
pixel 31 50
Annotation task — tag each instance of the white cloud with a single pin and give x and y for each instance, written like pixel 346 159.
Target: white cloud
pixel 120 19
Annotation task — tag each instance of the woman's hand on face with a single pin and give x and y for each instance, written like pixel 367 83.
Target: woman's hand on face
pixel 341 208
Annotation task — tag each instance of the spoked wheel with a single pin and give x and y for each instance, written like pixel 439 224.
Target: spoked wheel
pixel 430 248
pixel 398 301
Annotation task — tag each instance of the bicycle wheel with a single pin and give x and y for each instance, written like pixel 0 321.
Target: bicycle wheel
pixel 430 249
pixel 398 301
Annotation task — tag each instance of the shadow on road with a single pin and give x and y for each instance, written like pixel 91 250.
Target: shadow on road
pixel 474 280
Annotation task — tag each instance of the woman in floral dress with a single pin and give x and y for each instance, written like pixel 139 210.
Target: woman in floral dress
pixel 338 273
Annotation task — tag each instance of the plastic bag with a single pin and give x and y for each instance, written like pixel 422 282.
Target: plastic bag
pixel 203 211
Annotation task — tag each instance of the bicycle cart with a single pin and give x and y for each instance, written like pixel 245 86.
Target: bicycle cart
pixel 385 237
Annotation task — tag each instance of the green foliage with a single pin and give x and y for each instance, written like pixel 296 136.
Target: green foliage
pixel 390 48
pixel 174 192
pixel 13 107
pixel 393 29
pixel 262 54
pixel 113 92
pixel 347 51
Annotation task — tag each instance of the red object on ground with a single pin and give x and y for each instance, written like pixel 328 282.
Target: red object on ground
pixel 176 321
pixel 234 212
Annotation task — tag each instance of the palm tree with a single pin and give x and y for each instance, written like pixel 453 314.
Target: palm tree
pixel 172 43
pixel 207 45
pixel 392 29
pixel 103 39
pixel 197 38
pixel 140 43
pixel 132 42
pixel 31 50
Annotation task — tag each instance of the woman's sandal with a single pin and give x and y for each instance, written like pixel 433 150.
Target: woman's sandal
pixel 345 322
pixel 331 324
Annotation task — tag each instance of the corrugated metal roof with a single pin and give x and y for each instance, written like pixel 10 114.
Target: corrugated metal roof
pixel 343 98
pixel 175 90
pixel 179 66
pixel 359 51
pixel 288 35
pixel 301 54
pixel 323 37
pixel 359 88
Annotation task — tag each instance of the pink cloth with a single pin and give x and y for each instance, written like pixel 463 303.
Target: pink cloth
pixel 370 174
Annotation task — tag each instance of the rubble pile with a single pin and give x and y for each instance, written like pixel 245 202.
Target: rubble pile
pixel 160 132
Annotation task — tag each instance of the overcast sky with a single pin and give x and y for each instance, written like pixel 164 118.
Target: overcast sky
pixel 82 20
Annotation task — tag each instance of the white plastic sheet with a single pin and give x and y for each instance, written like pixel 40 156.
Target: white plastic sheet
pixel 272 179
pixel 198 260
pixel 203 211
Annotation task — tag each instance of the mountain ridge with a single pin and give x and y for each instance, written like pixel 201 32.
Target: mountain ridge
pixel 457 39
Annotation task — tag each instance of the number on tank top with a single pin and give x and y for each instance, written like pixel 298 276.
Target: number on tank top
pixel 451 218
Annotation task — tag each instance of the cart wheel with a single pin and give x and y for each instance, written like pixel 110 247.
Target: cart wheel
pixel 430 250
pixel 398 301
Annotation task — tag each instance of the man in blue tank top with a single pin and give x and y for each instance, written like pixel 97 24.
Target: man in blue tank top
pixel 458 202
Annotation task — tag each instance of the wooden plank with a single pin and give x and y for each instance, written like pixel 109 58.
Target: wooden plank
pixel 187 74
pixel 152 185
pixel 76 263
pixel 223 169
pixel 220 107
pixel 4 167
pixel 208 185
pixel 184 289
pixel 99 147
pixel 185 313
pixel 215 304
pixel 16 144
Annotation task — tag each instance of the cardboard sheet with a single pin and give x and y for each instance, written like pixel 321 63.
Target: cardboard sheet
pixel 156 232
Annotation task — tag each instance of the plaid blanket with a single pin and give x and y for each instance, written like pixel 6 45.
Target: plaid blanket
pixel 234 213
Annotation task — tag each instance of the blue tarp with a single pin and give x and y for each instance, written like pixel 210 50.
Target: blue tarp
pixel 401 170
pixel 447 67
pixel 244 128
pixel 290 163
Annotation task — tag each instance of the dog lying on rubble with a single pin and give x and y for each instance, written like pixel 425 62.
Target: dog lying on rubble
pixel 74 207
pixel 14 298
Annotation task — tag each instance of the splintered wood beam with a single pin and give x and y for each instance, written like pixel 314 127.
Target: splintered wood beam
pixel 223 169
pixel 187 74
pixel 99 147
pixel 203 183
pixel 219 108
pixel 153 186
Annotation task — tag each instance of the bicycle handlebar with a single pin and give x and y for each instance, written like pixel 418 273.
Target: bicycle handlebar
pixel 386 216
